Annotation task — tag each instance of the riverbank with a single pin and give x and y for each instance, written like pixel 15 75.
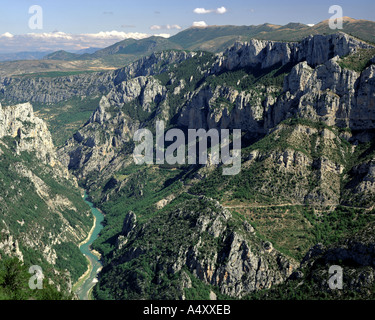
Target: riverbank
pixel 83 287
pixel 84 277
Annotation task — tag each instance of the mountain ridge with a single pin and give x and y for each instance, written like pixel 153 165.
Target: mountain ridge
pixel 301 117
pixel 213 39
pixel 307 165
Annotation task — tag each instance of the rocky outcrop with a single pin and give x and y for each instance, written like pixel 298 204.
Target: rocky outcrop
pixel 156 63
pixel 339 271
pixel 356 257
pixel 360 189
pixel 110 127
pixel 42 209
pixel 314 50
pixel 236 261
pixel 301 162
pixel 10 246
pixel 31 132
pixel 329 94
pixel 316 89
pixel 53 90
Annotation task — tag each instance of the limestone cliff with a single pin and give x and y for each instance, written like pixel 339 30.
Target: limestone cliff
pixel 306 120
pixel 42 211
pixel 234 260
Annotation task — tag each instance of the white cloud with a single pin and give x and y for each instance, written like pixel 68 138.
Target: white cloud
pixel 201 11
pixel 165 27
pixel 220 10
pixel 310 24
pixel 163 35
pixel 49 35
pixel 199 24
pixel 6 35
pixel 116 35
pixel 155 27
pixel 65 41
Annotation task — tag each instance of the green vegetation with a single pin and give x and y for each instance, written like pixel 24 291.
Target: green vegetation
pixel 217 38
pixel 65 118
pixel 33 211
pixel 61 55
pixel 357 61
pixel 189 72
pixel 146 273
pixel 142 187
pixel 200 290
pixel 14 284
pixel 192 74
pixel 251 78
pixel 307 289
pixel 70 258
pixel 264 182
pixel 262 192
pixel 341 223
pixel 54 74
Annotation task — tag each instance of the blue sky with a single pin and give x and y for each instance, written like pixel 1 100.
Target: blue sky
pixel 146 17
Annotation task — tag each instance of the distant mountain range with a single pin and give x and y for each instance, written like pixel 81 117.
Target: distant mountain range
pixel 302 202
pixel 218 38
pixel 212 39
pixel 23 56
pixel 37 55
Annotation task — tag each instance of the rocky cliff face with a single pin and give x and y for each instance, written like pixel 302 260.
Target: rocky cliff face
pixel 328 93
pixel 53 90
pixel 311 118
pixel 208 247
pixel 315 50
pixel 42 209
pixel 317 89
pixel 31 133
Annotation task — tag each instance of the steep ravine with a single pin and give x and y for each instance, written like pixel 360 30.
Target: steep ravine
pixel 88 280
pixel 306 119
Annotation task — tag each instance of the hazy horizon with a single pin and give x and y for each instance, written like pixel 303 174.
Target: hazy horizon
pixel 76 25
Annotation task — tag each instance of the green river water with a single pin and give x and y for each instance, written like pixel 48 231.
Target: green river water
pixel 84 290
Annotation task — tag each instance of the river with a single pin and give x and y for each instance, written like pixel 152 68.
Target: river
pixel 83 291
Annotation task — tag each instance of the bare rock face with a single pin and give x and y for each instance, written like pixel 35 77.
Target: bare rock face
pixel 9 245
pixel 328 93
pixel 54 90
pixel 314 50
pixel 298 77
pixel 32 133
pixel 129 223
pixel 110 127
pixel 316 88
pixel 248 267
